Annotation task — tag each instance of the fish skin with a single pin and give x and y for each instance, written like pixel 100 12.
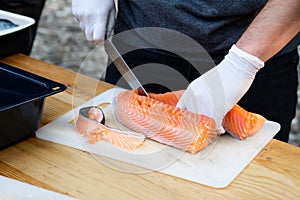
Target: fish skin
pixel 91 125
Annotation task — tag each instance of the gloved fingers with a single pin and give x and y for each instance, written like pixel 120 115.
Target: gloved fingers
pixel 200 98
pixel 89 30
pixel 94 32
pixel 74 7
pixel 103 29
pixel 98 35
pixel 79 13
pixel 85 24
pixel 197 99
pixel 81 25
pixel 190 102
pixel 95 17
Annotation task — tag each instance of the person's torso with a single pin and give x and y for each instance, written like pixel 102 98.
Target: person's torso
pixel 215 24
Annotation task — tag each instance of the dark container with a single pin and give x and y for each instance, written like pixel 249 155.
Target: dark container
pixel 22 97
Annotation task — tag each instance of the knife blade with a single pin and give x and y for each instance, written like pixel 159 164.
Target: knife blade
pixel 123 68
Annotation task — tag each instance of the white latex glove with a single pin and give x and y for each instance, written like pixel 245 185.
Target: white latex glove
pixel 218 90
pixel 96 18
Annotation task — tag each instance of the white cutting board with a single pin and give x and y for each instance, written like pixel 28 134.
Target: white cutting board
pixel 215 166
pixel 13 189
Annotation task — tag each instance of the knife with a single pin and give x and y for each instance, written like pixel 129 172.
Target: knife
pixel 123 68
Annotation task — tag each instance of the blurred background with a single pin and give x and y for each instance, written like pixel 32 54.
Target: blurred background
pixel 59 41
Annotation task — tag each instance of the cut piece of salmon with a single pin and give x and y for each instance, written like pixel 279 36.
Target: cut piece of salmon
pixel 242 124
pixel 90 123
pixel 158 118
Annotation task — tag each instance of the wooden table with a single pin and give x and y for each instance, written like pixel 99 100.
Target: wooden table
pixel 273 174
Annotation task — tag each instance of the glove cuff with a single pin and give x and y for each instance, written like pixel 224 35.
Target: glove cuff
pixel 246 57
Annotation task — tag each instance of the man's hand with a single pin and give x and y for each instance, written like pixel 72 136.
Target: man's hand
pixel 218 90
pixel 96 18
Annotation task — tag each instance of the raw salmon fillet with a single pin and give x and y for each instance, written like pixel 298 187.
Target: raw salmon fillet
pixel 163 122
pixel 238 122
pixel 158 118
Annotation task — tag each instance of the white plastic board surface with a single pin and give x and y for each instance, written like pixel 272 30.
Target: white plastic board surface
pixel 13 189
pixel 20 20
pixel 215 166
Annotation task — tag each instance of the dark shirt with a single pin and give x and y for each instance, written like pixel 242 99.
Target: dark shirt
pixel 215 24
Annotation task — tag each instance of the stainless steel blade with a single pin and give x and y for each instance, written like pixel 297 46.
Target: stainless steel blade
pixel 123 68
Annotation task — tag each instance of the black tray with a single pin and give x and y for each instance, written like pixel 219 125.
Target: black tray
pixel 22 97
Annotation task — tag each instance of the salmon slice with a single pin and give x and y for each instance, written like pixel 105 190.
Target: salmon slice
pixel 163 122
pixel 242 124
pixel 238 122
pixel 90 123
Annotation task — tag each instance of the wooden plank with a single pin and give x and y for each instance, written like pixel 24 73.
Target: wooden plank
pixel 66 169
pixel 14 173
